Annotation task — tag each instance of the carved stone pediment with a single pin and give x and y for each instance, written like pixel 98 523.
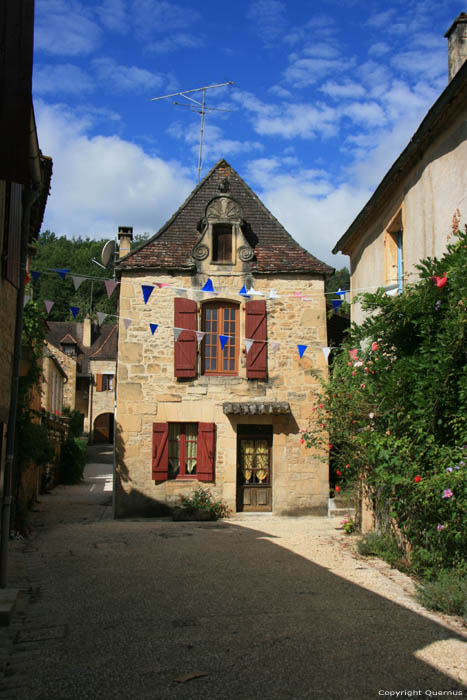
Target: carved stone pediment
pixel 223 208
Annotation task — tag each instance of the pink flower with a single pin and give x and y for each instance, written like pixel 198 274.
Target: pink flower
pixel 447 493
pixel 439 527
pixel 374 346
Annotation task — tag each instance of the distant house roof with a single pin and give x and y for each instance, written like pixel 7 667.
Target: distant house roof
pixel 275 249
pixel 453 98
pixel 103 347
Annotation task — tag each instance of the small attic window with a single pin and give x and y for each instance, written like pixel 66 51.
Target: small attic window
pixel 222 243
pixel 69 348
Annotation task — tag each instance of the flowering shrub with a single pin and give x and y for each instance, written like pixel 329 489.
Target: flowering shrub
pixel 395 410
pixel 348 524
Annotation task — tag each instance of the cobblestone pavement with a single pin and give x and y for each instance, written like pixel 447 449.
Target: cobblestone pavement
pixel 254 607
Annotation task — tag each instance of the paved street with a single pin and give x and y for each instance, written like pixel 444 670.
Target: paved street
pixel 252 607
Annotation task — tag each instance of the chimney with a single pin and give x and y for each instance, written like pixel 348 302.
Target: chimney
pixel 125 236
pixel 87 332
pixel 457 44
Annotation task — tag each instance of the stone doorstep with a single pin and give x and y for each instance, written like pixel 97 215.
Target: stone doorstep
pixel 8 600
pixel 341 512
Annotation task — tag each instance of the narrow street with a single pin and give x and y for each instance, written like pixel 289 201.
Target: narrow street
pixel 252 607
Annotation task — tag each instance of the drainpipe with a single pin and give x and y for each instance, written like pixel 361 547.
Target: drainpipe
pixel 29 196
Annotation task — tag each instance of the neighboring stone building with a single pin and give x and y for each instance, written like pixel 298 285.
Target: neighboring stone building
pixel 410 214
pixel 87 353
pixel 218 392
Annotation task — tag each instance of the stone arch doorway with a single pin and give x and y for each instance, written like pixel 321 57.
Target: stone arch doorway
pixel 104 428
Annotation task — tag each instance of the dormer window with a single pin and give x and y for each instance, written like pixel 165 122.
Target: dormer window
pixel 222 243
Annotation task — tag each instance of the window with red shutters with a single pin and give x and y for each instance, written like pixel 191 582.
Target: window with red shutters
pixel 256 330
pixel 185 347
pixel 183 451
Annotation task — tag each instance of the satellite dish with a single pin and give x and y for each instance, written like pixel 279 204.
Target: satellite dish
pixel 108 253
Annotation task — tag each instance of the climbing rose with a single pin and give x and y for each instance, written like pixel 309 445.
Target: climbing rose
pixel 337 488
pixel 417 478
pixel 374 346
pixel 338 472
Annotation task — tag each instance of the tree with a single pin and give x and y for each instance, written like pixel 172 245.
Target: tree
pixel 395 409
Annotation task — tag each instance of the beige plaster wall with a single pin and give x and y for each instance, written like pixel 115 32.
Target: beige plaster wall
pixel 428 198
pixel 147 391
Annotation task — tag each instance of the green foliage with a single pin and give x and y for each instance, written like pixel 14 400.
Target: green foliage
pixel 202 499
pixel 384 546
pixel 339 280
pixel 447 593
pixel 33 442
pixel 53 252
pixel 395 410
pixel 348 525
pixel 75 428
pixel 73 460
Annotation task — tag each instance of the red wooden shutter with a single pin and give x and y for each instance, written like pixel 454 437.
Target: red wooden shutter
pixel 256 329
pixel 185 316
pixel 99 382
pixel 206 451
pixel 13 246
pixel 160 451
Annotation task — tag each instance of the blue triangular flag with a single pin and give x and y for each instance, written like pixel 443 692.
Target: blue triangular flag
pixel 301 349
pixel 223 340
pixel 74 310
pixel 336 303
pixel 208 286
pixel 62 272
pixel 35 275
pixel 147 291
pixel 243 292
pixel 153 327
pixel 341 292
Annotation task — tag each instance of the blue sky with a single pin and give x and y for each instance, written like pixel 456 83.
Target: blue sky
pixel 326 94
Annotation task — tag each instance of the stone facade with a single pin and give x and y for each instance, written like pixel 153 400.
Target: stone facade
pixel 148 392
pixel 102 398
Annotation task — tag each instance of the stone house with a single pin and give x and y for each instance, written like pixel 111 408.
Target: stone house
pixel 212 387
pixel 410 214
pixel 87 353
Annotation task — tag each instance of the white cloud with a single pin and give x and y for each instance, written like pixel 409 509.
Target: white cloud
pixel 65 28
pixel 174 42
pixel 349 88
pixel 151 17
pixel 99 182
pixel 307 71
pixel 380 48
pixel 61 78
pixel 366 113
pixel 299 120
pixel 423 63
pixel 125 78
pixel 268 18
pixel 113 15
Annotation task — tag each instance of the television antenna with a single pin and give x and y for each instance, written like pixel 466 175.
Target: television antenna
pixel 199 107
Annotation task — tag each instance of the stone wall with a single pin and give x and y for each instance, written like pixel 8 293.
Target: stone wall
pixel 68 364
pixel 147 391
pixel 102 401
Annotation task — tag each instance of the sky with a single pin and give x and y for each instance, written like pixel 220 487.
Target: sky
pixel 325 96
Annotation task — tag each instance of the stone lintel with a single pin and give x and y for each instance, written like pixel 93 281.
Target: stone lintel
pixel 256 408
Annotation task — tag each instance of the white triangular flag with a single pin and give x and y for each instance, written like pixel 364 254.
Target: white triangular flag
pixel 199 336
pixel 248 344
pixel 326 352
pixel 77 280
pixel 177 332
pixel 274 346
pixel 180 291
pixel 252 291
pixel 127 323
pixel 101 316
pixel 273 294
pixel 27 299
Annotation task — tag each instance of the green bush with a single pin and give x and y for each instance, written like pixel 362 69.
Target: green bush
pixel 447 593
pixel 75 428
pixel 384 546
pixel 73 460
pixel 202 499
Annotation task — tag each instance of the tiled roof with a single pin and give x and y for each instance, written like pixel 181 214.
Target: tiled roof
pixel 275 249
pixel 104 345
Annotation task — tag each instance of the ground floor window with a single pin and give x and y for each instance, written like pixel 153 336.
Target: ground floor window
pixel 183 444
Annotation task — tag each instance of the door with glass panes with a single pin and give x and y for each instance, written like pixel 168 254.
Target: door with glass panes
pixel 254 461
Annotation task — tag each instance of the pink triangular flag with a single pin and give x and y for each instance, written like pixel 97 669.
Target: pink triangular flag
pixel 77 281
pixel 48 305
pixel 274 346
pixel 177 332
pixel 110 287
pixel 127 322
pixel 162 284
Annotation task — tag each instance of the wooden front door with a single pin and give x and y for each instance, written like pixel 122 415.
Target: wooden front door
pixel 254 477
pixel 104 428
